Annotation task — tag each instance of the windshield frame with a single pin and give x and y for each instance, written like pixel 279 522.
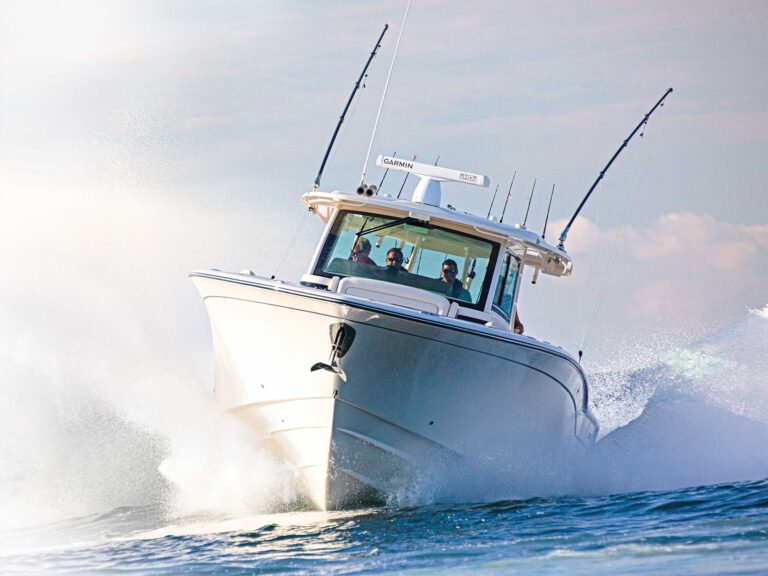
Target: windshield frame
pixel 501 285
pixel 333 232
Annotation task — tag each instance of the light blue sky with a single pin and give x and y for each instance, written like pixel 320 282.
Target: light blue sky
pixel 140 140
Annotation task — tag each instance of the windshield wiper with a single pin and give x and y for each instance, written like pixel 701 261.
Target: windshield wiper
pixel 391 224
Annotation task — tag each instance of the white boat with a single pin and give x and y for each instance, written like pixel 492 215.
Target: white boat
pixel 368 372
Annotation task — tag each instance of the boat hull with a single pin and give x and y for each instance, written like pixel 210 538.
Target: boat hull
pixel 406 393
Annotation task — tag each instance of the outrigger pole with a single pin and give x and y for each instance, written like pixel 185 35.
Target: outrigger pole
pixel 642 123
pixel 316 184
pixel 384 94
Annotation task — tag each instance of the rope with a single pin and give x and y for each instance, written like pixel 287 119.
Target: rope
pixel 585 320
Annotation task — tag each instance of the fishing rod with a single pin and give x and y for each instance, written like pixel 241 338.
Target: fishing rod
pixel 525 220
pixel 408 174
pixel 509 193
pixel 316 184
pixel 406 178
pixel 471 275
pixel 642 123
pixel 492 201
pixel 544 233
pixel 385 173
pixel 546 219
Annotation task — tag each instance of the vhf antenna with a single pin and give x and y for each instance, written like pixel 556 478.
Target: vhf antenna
pixel 509 193
pixel 642 123
pixel 316 184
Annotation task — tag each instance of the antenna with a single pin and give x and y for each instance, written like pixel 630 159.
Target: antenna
pixel 551 194
pixel 385 173
pixel 642 123
pixel 525 220
pixel 509 193
pixel 492 201
pixel 384 95
pixel 316 184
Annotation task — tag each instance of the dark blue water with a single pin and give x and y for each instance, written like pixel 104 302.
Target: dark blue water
pixel 719 529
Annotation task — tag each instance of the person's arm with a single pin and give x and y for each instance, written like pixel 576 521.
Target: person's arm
pixel 519 328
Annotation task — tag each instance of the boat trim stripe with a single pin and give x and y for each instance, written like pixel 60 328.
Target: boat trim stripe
pixel 244 407
pixel 395 425
pixel 377 444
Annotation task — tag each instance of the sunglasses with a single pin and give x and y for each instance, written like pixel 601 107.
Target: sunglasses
pixel 395 259
pixel 450 270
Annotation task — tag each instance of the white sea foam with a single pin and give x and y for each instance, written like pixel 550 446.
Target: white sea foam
pixel 763 312
pixel 105 381
pixel 81 436
pixel 704 419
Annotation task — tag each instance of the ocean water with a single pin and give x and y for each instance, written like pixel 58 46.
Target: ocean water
pixel 720 529
pixel 678 483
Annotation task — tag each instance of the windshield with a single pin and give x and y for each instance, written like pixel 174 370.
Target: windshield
pixel 406 251
pixel 506 286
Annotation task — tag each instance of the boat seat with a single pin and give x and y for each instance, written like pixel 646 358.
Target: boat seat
pixel 397 294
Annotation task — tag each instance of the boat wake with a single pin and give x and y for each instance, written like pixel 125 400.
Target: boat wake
pixel 703 416
pixel 76 443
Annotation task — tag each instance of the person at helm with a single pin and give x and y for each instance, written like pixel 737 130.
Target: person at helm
pixel 454 288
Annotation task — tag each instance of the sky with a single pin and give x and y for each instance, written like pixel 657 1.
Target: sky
pixel 142 140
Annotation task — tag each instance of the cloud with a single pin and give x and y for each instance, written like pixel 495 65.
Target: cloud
pixel 760 234
pixel 683 274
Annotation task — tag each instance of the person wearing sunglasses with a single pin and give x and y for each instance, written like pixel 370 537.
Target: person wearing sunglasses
pixel 394 262
pixel 448 273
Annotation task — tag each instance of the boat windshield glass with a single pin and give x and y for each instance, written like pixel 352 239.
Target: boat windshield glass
pixel 407 251
pixel 506 286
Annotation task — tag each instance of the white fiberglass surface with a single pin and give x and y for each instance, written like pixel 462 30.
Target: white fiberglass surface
pixel 431 258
